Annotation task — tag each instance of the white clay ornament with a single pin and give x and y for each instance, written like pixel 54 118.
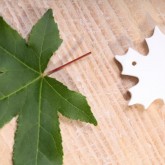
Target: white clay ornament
pixel 150 70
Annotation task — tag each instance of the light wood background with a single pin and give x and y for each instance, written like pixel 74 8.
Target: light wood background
pixel 124 135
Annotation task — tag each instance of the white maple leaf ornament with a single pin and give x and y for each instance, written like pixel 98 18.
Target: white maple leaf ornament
pixel 150 70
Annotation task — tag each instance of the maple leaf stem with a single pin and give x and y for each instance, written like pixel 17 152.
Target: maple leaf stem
pixel 61 67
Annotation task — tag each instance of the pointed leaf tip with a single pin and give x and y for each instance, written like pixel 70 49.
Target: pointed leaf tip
pixel 49 12
pixel 44 39
pixel 73 104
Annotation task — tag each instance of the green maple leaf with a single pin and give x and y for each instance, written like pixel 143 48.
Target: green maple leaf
pixel 36 98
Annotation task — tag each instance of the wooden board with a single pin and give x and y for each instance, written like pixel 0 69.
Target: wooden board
pixel 125 135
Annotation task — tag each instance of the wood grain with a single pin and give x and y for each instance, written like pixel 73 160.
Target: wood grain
pixel 125 135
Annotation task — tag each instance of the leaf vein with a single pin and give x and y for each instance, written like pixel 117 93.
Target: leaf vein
pixel 10 94
pixel 39 120
pixel 51 136
pixel 43 40
pixel 45 156
pixel 12 55
pixel 66 99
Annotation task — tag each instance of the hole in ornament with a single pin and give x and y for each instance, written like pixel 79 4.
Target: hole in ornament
pixel 134 63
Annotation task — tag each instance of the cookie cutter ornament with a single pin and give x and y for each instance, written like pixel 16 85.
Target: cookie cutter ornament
pixel 150 70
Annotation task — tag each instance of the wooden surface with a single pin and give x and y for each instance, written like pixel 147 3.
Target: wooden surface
pixel 125 135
